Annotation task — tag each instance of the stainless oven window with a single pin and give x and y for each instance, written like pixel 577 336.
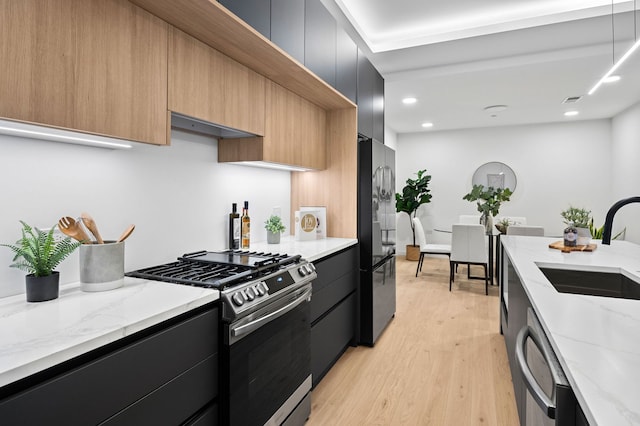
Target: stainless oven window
pixel 266 367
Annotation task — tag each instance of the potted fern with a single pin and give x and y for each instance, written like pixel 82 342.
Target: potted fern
pixel 274 227
pixel 415 193
pixel 39 253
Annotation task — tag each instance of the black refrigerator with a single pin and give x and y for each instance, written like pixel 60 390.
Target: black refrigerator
pixel 376 236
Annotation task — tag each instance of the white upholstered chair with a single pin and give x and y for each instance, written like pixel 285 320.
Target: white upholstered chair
pixel 537 231
pixel 468 248
pixel 441 249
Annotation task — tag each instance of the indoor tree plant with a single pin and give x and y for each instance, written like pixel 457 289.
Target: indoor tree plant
pixel 274 227
pixel 415 193
pixel 488 203
pixel 39 253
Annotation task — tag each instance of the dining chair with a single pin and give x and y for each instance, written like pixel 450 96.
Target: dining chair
pixel 537 231
pixel 425 248
pixel 468 247
pixel 473 219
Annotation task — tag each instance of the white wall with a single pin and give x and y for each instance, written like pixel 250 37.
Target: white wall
pixel 178 197
pixel 555 165
pixel 626 169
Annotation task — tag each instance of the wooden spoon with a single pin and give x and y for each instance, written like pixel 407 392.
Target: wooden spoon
pixel 91 225
pixel 70 227
pixel 126 233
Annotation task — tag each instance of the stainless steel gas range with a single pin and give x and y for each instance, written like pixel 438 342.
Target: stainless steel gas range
pixel 266 352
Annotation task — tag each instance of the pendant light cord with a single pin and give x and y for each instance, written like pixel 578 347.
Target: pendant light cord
pixel 613 37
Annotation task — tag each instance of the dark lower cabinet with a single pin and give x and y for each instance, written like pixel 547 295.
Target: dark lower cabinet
pixel 165 375
pixel 333 310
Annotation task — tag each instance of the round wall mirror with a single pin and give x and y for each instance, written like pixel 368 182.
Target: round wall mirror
pixel 495 174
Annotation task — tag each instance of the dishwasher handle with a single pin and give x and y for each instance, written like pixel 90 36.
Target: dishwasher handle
pixel 542 399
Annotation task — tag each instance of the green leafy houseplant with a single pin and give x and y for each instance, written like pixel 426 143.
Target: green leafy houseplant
pixel 579 217
pixel 597 233
pixel 38 252
pixel 488 199
pixel 274 224
pixel 415 193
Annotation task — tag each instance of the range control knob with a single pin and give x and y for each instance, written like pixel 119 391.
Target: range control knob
pixel 302 271
pixel 308 269
pixel 259 289
pixel 311 266
pixel 250 294
pixel 237 299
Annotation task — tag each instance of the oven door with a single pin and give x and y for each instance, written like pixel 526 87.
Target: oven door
pixel 267 371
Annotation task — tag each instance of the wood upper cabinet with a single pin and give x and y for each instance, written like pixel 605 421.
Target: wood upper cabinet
pixel 94 66
pixel 295 133
pixel 205 84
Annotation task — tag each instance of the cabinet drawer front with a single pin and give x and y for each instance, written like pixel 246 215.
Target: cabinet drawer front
pixel 95 391
pixel 325 298
pixel 176 401
pixel 331 268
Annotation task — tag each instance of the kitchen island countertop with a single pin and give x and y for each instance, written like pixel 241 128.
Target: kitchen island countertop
pixel 596 339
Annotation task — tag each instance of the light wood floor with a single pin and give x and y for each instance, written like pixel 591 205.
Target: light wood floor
pixel 441 360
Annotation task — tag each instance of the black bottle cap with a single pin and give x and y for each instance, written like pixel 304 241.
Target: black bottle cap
pixel 234 208
pixel 246 205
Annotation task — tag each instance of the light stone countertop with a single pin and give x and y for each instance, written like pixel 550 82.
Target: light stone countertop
pixel 36 336
pixel 310 250
pixel 596 339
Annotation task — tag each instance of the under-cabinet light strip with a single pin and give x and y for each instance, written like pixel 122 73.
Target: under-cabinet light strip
pixel 23 130
pixel 615 66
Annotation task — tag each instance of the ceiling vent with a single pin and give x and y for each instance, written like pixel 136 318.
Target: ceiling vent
pixel 572 99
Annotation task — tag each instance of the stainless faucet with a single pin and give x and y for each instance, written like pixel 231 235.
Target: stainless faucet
pixel 608 222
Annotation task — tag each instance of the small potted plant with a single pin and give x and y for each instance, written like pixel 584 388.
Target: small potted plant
pixel 415 193
pixel 502 225
pixel 579 218
pixel 274 227
pixel 39 253
pixel 489 201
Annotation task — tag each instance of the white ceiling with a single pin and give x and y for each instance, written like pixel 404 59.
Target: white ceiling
pixel 459 56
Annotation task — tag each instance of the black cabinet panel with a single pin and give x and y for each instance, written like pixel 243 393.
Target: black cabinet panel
pixel 320 41
pixel 366 82
pixel 207 417
pixel 287 27
pixel 94 391
pixel 346 65
pixel 378 107
pixel 333 267
pixel 256 13
pixel 325 298
pixel 176 401
pixel 331 336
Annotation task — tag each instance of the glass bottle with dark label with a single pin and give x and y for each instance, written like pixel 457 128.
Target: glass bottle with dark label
pixel 245 223
pixel 234 228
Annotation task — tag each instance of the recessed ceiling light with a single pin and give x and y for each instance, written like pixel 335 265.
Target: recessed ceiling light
pixel 611 79
pixel 409 101
pixel 571 113
pixel 427 125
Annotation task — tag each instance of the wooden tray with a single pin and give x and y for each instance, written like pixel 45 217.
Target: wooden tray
pixel 559 245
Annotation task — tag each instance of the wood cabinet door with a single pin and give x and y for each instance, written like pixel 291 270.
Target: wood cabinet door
pixel 205 84
pixel 93 66
pixel 295 130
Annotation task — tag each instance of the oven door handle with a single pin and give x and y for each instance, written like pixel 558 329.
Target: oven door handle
pixel 538 394
pixel 253 325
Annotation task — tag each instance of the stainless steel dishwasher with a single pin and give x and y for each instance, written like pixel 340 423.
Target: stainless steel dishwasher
pixel 549 397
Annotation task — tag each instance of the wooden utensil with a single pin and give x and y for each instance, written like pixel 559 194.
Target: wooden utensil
pixel 70 227
pixel 91 225
pixel 126 233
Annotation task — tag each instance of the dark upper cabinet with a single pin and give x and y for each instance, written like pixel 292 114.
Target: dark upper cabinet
pixel 256 13
pixel 378 107
pixel 370 99
pixel 320 41
pixel 346 65
pixel 287 27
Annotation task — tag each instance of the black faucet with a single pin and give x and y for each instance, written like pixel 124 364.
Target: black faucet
pixel 608 222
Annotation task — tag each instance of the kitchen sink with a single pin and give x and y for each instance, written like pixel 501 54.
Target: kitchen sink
pixel 606 284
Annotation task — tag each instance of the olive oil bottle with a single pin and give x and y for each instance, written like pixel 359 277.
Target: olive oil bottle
pixel 245 223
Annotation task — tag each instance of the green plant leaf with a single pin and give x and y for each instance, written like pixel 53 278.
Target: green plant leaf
pixel 415 193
